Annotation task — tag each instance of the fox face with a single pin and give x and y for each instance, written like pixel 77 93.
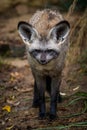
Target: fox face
pixel 44 48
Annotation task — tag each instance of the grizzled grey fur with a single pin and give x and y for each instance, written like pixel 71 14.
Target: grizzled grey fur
pixel 46 39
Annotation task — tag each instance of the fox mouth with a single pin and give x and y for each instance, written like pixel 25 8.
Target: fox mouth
pixel 44 62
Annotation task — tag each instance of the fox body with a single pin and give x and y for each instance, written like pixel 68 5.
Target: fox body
pixel 46 39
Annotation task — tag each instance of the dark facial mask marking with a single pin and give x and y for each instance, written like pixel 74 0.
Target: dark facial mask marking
pixel 43 55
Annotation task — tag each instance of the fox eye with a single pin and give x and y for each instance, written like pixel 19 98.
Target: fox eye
pixel 52 53
pixel 35 52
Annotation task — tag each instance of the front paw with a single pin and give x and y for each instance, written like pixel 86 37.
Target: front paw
pixel 42 116
pixel 52 117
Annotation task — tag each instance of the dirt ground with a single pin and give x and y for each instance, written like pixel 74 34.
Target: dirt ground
pixel 16 92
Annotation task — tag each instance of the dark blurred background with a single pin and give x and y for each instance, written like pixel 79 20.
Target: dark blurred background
pixel 62 5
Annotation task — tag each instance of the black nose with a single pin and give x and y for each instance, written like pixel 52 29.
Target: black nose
pixel 43 61
pixel 43 58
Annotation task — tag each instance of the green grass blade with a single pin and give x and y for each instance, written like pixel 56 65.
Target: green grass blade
pixel 81 94
pixel 75 100
pixel 76 124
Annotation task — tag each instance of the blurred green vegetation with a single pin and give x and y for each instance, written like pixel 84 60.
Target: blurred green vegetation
pixel 62 5
pixel 83 62
pixel 2 62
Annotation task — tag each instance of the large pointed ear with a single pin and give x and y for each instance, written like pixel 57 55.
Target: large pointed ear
pixel 27 31
pixel 60 31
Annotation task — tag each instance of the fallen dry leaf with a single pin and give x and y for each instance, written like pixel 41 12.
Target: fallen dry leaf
pixel 23 89
pixel 12 102
pixel 9 128
pixel 7 108
pixel 15 74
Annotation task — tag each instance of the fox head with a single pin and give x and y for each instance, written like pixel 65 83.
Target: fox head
pixel 44 48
